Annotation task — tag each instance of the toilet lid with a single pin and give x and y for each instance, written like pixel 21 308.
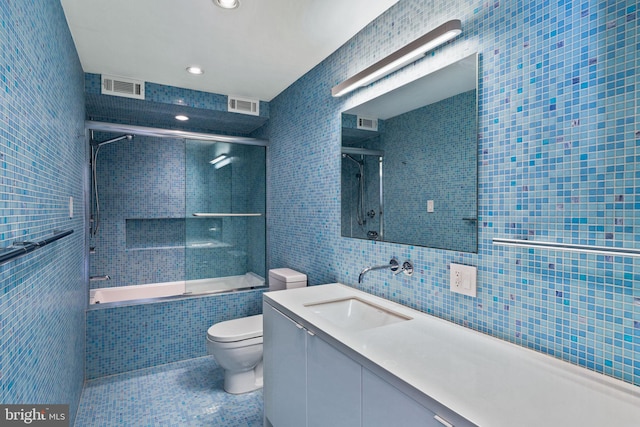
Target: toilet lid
pixel 236 329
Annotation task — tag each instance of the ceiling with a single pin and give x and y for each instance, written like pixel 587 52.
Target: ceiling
pixel 255 51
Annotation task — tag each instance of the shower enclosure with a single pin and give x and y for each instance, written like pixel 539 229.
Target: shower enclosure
pixel 362 206
pixel 225 213
pixel 175 215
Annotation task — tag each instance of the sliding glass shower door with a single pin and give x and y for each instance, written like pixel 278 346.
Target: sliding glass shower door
pixel 225 216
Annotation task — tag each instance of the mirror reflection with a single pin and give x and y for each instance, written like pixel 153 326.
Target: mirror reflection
pixel 409 162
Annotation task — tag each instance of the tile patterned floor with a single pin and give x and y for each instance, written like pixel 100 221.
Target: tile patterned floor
pixel 187 393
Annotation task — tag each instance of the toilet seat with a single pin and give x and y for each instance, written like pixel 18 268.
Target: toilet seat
pixel 241 329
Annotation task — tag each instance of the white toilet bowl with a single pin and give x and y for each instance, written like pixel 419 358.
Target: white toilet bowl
pixel 237 344
pixel 237 347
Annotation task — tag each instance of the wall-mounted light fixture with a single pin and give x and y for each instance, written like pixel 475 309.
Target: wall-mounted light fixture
pixel 400 57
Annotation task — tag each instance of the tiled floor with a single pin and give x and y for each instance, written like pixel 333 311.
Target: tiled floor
pixel 187 393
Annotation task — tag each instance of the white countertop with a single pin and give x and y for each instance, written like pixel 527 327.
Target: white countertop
pixel 488 381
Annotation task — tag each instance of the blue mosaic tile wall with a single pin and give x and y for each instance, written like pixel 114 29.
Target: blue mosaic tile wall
pixel 138 180
pixel 557 161
pixel 42 162
pixel 122 339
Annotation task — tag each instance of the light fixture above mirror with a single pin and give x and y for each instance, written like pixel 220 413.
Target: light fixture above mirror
pixel 401 57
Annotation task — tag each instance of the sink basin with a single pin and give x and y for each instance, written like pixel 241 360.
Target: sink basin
pixel 355 314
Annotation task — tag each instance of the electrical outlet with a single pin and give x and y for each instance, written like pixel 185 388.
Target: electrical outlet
pixel 463 279
pixel 430 206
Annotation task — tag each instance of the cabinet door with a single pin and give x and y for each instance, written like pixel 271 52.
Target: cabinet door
pixel 284 344
pixel 333 386
pixel 384 405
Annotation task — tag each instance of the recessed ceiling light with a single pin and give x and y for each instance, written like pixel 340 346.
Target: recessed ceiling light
pixel 182 118
pixel 195 70
pixel 227 4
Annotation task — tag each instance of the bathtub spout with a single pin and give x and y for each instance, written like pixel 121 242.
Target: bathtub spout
pixel 99 278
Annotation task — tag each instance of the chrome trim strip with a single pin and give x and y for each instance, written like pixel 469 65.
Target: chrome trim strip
pixel 599 250
pixel 172 133
pixel 223 215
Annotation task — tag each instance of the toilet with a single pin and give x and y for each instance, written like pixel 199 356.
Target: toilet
pixel 237 344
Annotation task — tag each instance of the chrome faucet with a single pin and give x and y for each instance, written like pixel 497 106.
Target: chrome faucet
pixel 407 268
pixel 393 266
pixel 99 278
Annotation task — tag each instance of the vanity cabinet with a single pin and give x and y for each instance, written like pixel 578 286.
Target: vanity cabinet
pixel 384 405
pixel 333 386
pixel 422 371
pixel 308 382
pixel 285 370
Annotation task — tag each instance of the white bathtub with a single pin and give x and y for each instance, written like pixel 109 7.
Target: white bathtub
pixel 181 287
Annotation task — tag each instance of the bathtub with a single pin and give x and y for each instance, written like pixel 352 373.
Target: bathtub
pixel 178 288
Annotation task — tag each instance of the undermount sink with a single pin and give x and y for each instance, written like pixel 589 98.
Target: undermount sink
pixel 355 314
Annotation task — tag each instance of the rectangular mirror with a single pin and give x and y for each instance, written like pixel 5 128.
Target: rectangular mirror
pixel 409 162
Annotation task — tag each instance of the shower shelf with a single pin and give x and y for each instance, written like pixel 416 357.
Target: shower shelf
pixel 168 248
pixel 222 215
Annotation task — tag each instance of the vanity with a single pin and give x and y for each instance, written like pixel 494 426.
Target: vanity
pixel 336 356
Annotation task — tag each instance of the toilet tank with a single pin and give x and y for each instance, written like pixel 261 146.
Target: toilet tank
pixel 286 278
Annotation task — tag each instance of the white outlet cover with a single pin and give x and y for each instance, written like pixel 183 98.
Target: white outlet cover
pixel 463 279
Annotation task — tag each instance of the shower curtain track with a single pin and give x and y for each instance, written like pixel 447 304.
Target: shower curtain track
pixel 171 133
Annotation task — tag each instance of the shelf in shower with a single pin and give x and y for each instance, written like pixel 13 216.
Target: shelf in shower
pixel 223 215
pixel 199 245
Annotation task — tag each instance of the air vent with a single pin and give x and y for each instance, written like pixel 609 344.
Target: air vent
pixel 244 106
pixel 367 124
pixel 119 86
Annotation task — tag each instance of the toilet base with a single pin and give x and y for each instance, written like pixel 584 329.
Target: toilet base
pixel 244 381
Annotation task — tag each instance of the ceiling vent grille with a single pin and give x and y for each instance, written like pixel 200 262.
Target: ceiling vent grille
pixel 367 123
pixel 120 86
pixel 244 106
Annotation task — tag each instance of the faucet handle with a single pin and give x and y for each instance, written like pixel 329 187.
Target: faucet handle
pixel 394 265
pixel 407 268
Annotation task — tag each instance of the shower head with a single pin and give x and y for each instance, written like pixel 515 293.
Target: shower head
pixel 109 141
pixel 350 157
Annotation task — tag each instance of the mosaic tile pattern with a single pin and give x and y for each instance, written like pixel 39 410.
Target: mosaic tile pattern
pixel 557 161
pixel 136 336
pixel 188 393
pixel 42 159
pixel 149 188
pixel 437 162
pixel 141 179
